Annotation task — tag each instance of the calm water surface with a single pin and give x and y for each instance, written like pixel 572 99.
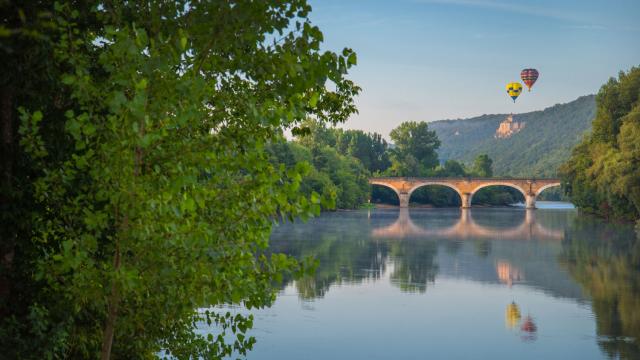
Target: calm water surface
pixel 456 284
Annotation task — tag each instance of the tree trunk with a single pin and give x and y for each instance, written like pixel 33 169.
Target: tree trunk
pixel 112 312
pixel 7 233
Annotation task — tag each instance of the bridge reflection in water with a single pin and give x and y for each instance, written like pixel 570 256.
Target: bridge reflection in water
pixel 467 228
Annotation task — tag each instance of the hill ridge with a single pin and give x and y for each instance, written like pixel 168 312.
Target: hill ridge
pixel 536 150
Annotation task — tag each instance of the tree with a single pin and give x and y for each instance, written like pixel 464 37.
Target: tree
pixel 380 155
pixel 369 148
pixel 415 149
pixel 603 174
pixel 315 133
pixel 155 197
pixel 347 173
pixel 482 166
pixel 453 168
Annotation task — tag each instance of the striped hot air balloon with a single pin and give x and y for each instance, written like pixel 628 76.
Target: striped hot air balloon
pixel 529 77
pixel 514 89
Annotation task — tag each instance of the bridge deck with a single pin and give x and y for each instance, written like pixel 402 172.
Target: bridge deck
pixel 412 178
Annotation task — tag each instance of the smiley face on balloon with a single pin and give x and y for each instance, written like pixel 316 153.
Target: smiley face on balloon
pixel 514 89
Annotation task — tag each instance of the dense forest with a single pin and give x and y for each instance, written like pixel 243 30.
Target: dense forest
pixel 603 174
pixel 537 150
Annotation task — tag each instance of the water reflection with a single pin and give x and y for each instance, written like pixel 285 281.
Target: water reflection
pixel 605 260
pixel 508 273
pixel 529 329
pixel 352 248
pixel 465 228
pixel 568 262
pixel 512 316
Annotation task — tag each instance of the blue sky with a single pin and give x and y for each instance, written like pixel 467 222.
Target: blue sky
pixel 428 60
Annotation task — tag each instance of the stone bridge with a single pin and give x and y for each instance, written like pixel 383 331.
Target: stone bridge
pixel 465 187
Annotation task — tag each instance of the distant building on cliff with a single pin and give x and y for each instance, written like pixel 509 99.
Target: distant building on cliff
pixel 508 127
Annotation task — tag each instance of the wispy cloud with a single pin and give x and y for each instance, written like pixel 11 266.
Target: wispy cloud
pixel 509 7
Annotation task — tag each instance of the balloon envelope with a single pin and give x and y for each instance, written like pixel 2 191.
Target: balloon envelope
pixel 514 89
pixel 529 77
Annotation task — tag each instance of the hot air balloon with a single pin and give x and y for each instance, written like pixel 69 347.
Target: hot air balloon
pixel 514 89
pixel 529 77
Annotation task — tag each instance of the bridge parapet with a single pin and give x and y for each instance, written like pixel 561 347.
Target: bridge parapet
pixel 466 187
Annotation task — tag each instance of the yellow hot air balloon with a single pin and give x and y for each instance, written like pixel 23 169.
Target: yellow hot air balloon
pixel 514 89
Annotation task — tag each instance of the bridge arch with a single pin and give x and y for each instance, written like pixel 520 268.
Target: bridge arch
pixel 435 183
pixel 387 186
pixel 545 187
pixel 498 183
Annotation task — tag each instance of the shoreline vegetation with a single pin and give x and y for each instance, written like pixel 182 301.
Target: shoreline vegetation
pixel 602 176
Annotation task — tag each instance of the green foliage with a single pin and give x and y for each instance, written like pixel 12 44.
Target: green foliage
pixel 536 151
pixel 603 174
pixel 315 133
pixel 369 148
pixel 340 181
pixel 154 195
pixel 482 166
pixel 341 162
pixel 414 153
pixel 348 174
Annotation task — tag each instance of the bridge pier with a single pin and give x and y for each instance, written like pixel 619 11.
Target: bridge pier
pixel 530 201
pixel 466 200
pixel 404 199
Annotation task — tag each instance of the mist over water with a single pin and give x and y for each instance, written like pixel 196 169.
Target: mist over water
pixel 456 284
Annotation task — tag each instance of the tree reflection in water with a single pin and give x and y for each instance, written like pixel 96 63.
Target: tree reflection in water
pixel 605 260
pixel 414 265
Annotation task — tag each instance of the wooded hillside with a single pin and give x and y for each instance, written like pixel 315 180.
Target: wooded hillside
pixel 537 150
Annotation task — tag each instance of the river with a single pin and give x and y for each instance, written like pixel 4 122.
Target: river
pixel 482 283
